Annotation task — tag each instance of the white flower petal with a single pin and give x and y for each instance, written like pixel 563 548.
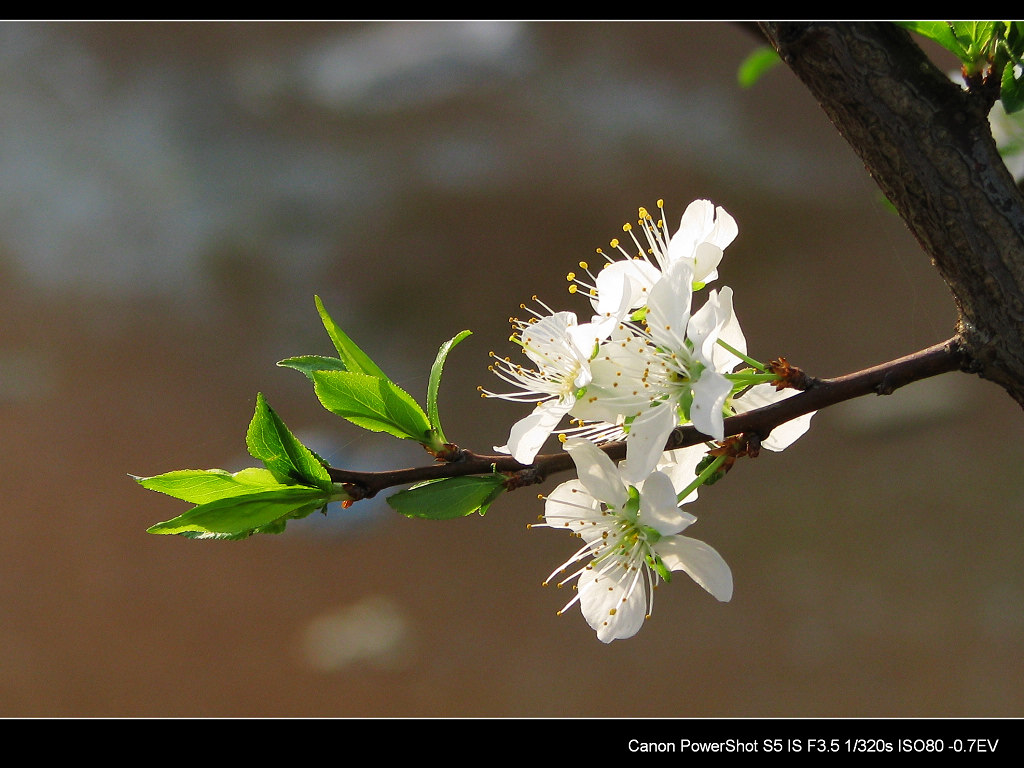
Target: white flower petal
pixel 729 331
pixel 703 564
pixel 529 433
pixel 668 307
pixel 706 327
pixel 709 394
pixel 659 507
pixel 725 229
pixel 623 286
pixel 706 258
pixel 571 506
pixel 646 441
pixel 704 232
pixel 681 467
pixel 783 435
pixel 697 220
pixel 597 472
pixel 610 607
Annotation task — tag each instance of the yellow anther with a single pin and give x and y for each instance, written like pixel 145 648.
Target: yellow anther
pixel 571 276
pixel 644 214
pixel 572 288
pixel 661 203
pixel 627 227
pixel 583 264
pixel 614 243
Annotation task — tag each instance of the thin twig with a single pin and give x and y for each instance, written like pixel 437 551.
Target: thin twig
pixel 881 379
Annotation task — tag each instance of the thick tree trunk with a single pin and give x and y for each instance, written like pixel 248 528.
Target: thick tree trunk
pixel 928 145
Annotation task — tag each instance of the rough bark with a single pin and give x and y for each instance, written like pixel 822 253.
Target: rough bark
pixel 928 145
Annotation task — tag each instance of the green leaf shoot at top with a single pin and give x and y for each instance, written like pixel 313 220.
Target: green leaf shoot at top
pixel 983 47
pixel 435 382
pixel 942 33
pixel 351 355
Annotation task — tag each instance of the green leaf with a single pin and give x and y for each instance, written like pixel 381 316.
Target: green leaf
pixel 239 516
pixel 372 403
pixel 1011 90
pixel 309 363
pixel 200 486
pixel 756 64
pixel 978 37
pixel 352 356
pixel 1015 38
pixel 271 442
pixel 939 31
pixel 449 497
pixel 1011 86
pixel 435 382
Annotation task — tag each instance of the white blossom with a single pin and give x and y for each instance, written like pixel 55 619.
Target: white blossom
pixel 668 372
pixel 631 541
pixel 622 285
pixel 561 350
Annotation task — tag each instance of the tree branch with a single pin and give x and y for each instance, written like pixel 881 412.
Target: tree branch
pixel 928 145
pixel 819 393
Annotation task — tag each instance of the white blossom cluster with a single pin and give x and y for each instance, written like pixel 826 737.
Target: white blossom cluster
pixel 645 363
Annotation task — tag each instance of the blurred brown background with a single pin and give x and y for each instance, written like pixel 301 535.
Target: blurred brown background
pixel 172 196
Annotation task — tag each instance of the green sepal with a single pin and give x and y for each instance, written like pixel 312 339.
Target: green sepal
pixel 655 562
pixel 352 356
pixel 434 384
pixel 236 517
pixel 270 441
pixel 652 535
pixel 449 497
pixel 372 403
pixel 632 506
pixel 684 405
